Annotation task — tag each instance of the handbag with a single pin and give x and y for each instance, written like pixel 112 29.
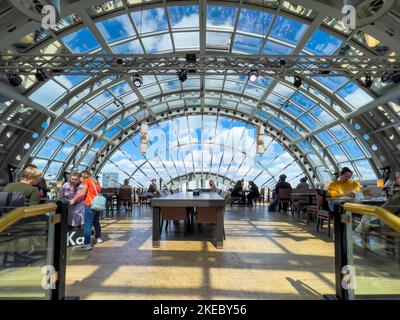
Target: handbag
pixel 99 202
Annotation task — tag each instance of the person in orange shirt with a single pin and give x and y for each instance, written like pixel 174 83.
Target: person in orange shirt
pixel 344 187
pixel 91 188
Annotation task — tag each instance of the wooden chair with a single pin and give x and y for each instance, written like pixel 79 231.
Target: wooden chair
pixel 312 210
pixel 235 199
pixel 124 195
pixel 209 215
pixel 174 213
pixel 261 197
pixel 284 198
pixel 322 216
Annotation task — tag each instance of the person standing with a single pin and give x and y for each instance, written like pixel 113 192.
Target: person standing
pixel 393 202
pixel 90 189
pixel 253 193
pixel 71 190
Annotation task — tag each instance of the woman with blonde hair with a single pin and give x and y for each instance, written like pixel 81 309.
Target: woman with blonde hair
pixel 91 188
pixel 30 177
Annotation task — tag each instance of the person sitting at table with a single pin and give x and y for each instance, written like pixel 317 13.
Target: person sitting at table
pixel 253 193
pixel 71 191
pixel 213 187
pixel 237 192
pixel 303 184
pixel 152 191
pixel 344 187
pixel 30 177
pixel 393 202
pixel 126 186
pixel 282 184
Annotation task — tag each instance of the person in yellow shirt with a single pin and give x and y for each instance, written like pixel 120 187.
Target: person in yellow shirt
pixel 344 187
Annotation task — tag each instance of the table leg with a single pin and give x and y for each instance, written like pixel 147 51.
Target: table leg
pixel 156 227
pixel 220 228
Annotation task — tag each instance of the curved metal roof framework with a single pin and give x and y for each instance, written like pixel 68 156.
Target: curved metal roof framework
pixel 79 121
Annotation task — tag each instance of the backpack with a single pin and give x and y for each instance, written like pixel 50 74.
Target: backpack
pixel 10 201
pixel 99 202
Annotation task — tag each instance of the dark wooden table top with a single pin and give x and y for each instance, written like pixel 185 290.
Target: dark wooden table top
pixel 187 199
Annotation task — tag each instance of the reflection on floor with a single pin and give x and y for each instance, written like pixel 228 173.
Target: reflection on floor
pixel 265 256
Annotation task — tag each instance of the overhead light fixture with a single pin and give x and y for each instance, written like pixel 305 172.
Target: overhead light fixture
pixel 144 137
pixel 182 75
pixel 297 82
pixel 138 81
pixel 282 62
pixel 260 139
pixel 15 80
pixel 368 82
pixel 40 75
pixel 253 75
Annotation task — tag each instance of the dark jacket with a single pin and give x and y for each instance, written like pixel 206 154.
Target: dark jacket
pixel 282 185
pixel 152 189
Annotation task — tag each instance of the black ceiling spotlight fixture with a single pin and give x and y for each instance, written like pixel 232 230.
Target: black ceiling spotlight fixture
pixel 162 115
pixel 282 62
pixel 120 61
pixel 219 109
pixel 14 79
pixel 297 82
pixel 191 57
pixel 253 75
pixel 210 109
pixel 40 75
pixel 182 75
pixel 234 113
pixel 368 82
pixel 138 80
pixel 242 114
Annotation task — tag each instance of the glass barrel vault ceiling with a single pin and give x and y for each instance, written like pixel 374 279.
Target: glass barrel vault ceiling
pixel 102 109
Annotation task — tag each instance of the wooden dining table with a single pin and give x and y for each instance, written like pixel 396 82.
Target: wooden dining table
pixel 188 200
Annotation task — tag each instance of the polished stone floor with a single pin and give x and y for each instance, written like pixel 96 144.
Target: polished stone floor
pixel 265 256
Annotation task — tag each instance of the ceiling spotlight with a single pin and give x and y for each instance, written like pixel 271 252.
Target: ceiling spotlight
pixel 120 61
pixel 15 80
pixel 297 82
pixel 40 75
pixel 182 75
pixel 282 62
pixel 138 81
pixel 253 75
pixel 368 82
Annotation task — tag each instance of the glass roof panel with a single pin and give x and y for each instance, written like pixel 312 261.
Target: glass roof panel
pixel 254 21
pixel 117 28
pixel 338 153
pixel 184 16
pixel 150 20
pixel 289 30
pixel 365 169
pixel 354 95
pixel 81 42
pixel 47 93
pixel 302 100
pixel 157 43
pixel 219 40
pixel 321 115
pixel 272 47
pixel 130 47
pixel 322 43
pixel 247 44
pixel 222 17
pixel 48 148
pixel 353 149
pixel 184 40
pixel 332 83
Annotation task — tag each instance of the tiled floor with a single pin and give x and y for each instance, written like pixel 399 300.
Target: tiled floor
pixel 265 256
